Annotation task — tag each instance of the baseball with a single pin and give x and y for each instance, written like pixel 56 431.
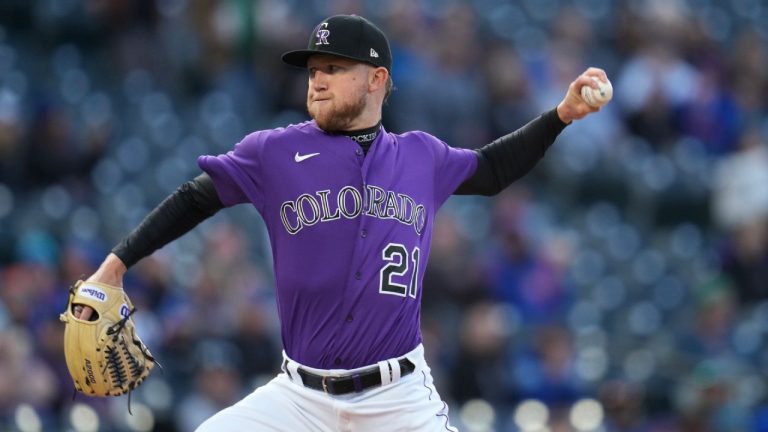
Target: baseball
pixel 599 96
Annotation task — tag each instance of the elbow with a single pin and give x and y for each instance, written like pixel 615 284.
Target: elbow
pixel 489 192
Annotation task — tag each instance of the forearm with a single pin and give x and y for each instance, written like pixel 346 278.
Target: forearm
pixel 512 156
pixel 190 204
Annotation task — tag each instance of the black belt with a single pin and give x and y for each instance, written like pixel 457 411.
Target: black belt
pixel 355 383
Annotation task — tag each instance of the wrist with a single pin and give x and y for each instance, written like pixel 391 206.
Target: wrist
pixel 110 271
pixel 564 114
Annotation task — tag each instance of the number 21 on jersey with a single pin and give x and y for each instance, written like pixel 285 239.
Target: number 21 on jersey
pixel 398 262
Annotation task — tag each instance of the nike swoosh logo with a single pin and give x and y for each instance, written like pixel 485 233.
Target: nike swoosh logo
pixel 302 158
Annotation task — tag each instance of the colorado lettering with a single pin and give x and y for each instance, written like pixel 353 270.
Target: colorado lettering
pixel 323 206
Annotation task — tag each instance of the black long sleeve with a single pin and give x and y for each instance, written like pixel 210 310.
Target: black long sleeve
pixel 192 203
pixel 512 156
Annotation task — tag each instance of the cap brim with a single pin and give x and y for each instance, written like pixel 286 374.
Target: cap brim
pixel 299 58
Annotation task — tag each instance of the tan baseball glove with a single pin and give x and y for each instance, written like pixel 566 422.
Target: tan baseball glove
pixel 105 356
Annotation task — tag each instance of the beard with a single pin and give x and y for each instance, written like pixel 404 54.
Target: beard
pixel 333 117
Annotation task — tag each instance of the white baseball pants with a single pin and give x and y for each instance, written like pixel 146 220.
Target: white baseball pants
pixel 409 403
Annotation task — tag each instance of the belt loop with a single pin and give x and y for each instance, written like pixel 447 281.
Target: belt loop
pixel 293 371
pixel 324 383
pixel 386 376
pixel 394 366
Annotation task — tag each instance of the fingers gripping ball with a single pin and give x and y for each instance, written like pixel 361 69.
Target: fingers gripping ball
pixel 105 357
pixel 597 97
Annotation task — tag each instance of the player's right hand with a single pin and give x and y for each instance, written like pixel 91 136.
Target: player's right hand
pixel 573 106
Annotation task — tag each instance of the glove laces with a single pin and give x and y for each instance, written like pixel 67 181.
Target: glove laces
pixel 117 370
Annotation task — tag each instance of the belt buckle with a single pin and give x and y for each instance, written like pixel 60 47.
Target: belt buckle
pixel 324 383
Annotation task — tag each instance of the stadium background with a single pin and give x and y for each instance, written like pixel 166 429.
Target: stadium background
pixel 619 287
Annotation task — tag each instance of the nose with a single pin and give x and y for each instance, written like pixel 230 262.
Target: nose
pixel 318 81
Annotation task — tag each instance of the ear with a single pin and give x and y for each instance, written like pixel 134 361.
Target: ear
pixel 377 78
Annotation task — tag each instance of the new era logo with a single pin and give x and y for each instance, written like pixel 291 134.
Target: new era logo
pixel 374 53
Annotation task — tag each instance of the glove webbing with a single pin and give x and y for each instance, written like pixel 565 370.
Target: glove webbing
pixel 116 368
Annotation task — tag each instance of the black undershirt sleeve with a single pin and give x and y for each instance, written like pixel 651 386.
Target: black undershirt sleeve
pixel 192 203
pixel 512 156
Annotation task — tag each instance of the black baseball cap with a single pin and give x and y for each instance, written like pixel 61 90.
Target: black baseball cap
pixel 349 36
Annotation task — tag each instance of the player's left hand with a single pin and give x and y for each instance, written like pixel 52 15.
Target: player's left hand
pixel 573 106
pixel 104 354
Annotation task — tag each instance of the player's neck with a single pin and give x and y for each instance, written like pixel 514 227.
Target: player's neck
pixel 369 117
pixel 361 126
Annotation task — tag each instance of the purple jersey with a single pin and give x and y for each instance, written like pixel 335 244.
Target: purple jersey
pixel 350 234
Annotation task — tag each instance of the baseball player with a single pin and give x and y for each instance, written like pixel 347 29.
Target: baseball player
pixel 349 208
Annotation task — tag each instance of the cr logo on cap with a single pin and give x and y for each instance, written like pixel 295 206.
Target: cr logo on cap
pixel 322 34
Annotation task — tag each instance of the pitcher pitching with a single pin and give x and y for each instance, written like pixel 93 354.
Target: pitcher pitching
pixel 349 208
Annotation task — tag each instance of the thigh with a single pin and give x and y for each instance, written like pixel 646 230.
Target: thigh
pixel 278 406
pixel 410 405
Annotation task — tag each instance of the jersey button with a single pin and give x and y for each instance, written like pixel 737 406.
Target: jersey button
pixel 350 318
pixel 359 152
pixel 358 275
pixel 363 233
pixel 337 361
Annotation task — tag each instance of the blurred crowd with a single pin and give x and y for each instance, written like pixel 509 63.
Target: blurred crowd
pixel 620 286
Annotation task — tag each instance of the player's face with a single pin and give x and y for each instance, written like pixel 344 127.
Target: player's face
pixel 337 93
